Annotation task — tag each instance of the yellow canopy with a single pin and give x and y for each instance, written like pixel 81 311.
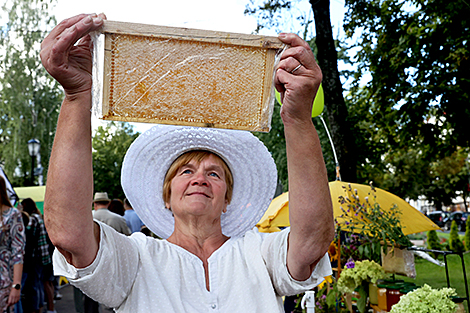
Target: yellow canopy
pixel 412 221
pixel 36 193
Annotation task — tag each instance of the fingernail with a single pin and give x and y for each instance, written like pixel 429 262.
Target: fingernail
pixel 88 20
pixel 282 35
pixel 97 20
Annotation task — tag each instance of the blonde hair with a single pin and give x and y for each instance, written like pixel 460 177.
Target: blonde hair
pixel 198 156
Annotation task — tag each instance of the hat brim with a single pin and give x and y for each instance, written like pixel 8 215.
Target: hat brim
pixel 151 154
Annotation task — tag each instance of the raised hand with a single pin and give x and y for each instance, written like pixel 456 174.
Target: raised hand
pixel 66 52
pixel 298 78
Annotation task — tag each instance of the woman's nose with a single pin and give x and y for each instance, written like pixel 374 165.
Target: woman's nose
pixel 199 179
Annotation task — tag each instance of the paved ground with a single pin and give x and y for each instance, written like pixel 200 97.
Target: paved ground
pixel 65 305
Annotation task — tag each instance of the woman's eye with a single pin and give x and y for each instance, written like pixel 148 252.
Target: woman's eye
pixel 213 174
pixel 187 171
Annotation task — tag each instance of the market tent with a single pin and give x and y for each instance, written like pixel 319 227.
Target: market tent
pixel 35 192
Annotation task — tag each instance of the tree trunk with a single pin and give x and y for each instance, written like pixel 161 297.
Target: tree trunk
pixel 335 107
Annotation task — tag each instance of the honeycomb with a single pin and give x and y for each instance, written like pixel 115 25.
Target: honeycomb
pixel 184 81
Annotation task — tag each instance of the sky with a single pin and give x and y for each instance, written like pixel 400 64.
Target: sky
pixel 218 15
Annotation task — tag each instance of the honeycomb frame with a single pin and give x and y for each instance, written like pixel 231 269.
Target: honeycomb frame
pixel 192 77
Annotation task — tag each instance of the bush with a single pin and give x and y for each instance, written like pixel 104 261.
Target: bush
pixel 434 242
pixel 455 243
pixel 467 236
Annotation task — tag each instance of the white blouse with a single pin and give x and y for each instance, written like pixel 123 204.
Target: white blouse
pixel 140 274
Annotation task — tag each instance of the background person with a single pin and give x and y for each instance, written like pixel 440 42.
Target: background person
pixel 12 244
pixel 132 219
pixel 36 258
pixel 211 259
pixel 117 206
pixel 101 213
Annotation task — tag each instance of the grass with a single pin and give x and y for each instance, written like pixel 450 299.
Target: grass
pixel 435 276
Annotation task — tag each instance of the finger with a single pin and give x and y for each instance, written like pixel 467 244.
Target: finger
pixel 290 65
pixel 299 50
pixel 67 39
pixel 62 26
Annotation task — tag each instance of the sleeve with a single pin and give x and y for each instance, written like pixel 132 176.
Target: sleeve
pixel 274 252
pixel 18 238
pixel 111 276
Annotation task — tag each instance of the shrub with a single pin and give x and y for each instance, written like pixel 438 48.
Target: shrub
pixel 467 235
pixel 455 243
pixel 434 242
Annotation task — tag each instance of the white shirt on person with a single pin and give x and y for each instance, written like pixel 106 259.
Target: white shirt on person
pixel 140 274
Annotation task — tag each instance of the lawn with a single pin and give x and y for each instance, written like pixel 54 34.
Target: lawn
pixel 435 276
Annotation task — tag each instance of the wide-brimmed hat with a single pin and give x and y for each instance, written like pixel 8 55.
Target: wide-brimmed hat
pixel 151 154
pixel 101 197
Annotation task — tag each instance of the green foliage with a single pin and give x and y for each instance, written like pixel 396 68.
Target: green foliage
pixel 29 97
pixel 370 221
pixel 110 144
pixel 409 100
pixel 467 235
pixel 276 144
pixel 455 243
pixel 425 300
pixel 434 242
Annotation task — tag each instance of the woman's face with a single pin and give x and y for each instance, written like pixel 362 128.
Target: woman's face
pixel 199 189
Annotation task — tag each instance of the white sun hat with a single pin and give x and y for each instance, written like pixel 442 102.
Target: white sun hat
pixel 151 154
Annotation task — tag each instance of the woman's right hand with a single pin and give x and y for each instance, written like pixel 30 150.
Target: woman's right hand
pixel 69 62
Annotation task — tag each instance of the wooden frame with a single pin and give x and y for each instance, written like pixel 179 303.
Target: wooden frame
pixel 184 76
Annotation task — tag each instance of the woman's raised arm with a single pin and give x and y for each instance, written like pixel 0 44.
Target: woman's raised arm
pixel 310 210
pixel 66 55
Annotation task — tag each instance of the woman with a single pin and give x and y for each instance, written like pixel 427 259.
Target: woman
pixel 211 260
pixel 12 243
pixel 37 258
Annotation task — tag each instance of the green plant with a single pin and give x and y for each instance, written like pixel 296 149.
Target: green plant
pixel 455 243
pixel 358 276
pixel 426 300
pixel 467 236
pixel 434 242
pixel 373 224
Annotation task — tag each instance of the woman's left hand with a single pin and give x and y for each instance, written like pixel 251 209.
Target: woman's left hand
pixel 14 296
pixel 297 79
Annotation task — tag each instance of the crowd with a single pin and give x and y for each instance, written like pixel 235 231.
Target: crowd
pixel 28 284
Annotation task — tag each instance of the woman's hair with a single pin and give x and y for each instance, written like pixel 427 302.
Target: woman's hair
pixel 198 156
pixel 29 206
pixel 116 206
pixel 4 200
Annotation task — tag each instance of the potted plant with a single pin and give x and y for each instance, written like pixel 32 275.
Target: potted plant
pixel 358 275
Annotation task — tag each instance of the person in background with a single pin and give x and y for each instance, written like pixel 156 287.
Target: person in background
pixel 101 213
pixel 132 219
pixel 37 257
pixel 12 245
pixel 116 206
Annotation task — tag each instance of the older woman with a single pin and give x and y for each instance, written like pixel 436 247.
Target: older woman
pixel 202 190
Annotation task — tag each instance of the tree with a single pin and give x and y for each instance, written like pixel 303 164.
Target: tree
pixel 110 144
pixel 29 97
pixel 269 14
pixel 415 55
